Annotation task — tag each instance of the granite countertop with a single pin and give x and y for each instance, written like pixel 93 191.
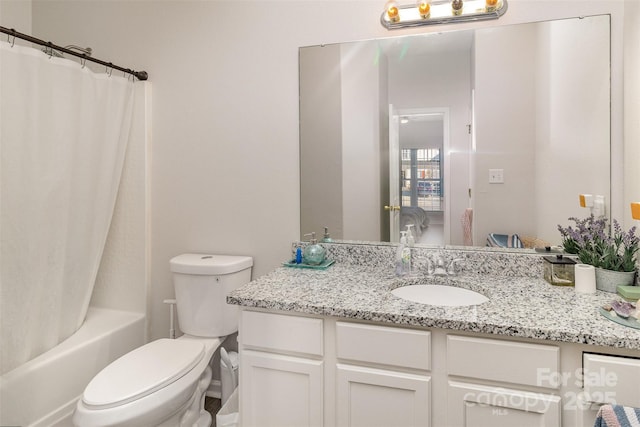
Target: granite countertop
pixel 523 307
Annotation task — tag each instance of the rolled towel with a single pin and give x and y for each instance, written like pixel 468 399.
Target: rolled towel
pixel 467 227
pixel 617 416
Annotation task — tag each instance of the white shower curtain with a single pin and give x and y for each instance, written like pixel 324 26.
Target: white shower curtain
pixel 63 135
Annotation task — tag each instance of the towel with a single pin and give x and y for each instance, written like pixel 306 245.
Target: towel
pixel 467 227
pixel 504 241
pixel 617 416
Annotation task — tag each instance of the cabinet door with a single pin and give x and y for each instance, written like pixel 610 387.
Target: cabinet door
pixel 607 379
pixel 472 405
pixel 280 391
pixel 372 397
pixel 611 379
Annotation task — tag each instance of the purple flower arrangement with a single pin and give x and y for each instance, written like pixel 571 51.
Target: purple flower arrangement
pixel 597 245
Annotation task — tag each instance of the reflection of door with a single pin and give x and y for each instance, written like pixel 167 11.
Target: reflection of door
pixel 394 175
pixel 419 171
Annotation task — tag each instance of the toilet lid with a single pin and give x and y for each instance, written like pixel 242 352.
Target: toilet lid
pixel 142 372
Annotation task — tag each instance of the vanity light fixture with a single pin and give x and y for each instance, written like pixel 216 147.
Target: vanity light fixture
pixel 428 12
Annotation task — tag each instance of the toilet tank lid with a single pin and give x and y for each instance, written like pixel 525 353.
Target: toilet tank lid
pixel 205 264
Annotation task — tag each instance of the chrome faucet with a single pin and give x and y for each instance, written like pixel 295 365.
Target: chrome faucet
pixel 439 267
pixel 451 268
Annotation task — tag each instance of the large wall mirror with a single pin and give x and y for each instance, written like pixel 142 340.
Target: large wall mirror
pixel 464 135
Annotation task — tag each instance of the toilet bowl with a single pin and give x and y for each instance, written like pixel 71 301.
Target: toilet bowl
pixel 164 382
pixel 132 391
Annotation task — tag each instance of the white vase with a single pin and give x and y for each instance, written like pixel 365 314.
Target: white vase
pixel 609 280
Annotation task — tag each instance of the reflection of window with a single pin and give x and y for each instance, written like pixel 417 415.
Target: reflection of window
pixel 421 178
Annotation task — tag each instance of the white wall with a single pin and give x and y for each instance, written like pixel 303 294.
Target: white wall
pixel 571 140
pixel 225 101
pixel 16 14
pixel 320 125
pixel 631 109
pixel 545 138
pixel 504 144
pixel 361 203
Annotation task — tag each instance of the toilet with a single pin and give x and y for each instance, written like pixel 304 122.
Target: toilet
pixel 163 383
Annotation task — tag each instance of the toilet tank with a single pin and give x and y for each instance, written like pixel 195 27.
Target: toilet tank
pixel 202 283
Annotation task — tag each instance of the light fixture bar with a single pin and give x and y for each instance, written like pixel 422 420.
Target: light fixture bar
pixel 442 13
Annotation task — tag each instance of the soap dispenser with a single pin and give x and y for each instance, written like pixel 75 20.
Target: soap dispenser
pixel 406 253
pixel 313 253
pixel 403 256
pixel 411 241
pixel 399 252
pixel 327 237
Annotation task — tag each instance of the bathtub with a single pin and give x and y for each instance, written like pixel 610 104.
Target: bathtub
pixel 44 391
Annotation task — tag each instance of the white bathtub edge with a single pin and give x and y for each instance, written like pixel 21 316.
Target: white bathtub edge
pixel 52 382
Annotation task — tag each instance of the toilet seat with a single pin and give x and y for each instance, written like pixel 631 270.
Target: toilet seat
pixel 153 408
pixel 142 372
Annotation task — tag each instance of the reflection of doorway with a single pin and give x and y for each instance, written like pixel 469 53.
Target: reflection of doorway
pixel 423 140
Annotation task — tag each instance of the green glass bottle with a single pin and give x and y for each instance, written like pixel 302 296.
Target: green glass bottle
pixel 313 253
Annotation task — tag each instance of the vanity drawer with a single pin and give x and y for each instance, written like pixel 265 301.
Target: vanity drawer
pixel 281 333
pixel 407 348
pixel 611 379
pixel 505 361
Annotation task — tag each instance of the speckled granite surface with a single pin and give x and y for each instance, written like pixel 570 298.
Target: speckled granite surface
pixel 521 303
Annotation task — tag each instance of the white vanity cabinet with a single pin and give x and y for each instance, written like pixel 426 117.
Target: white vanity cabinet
pixel 294 374
pixel 489 383
pixel 282 374
pixel 298 370
pixel 381 376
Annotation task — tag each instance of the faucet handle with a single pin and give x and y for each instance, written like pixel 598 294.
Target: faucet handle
pixel 451 268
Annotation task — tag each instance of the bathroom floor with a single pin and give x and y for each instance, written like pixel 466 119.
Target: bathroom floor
pixel 212 406
pixel 434 234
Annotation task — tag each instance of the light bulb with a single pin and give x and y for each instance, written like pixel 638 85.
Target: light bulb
pixel 456 6
pixel 491 5
pixel 424 8
pixel 392 11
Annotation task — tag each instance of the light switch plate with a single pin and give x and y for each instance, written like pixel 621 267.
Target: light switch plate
pixel 496 176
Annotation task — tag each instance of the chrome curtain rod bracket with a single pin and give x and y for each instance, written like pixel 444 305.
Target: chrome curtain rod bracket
pixel 13 42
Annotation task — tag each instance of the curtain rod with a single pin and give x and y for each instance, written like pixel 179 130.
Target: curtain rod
pixel 141 75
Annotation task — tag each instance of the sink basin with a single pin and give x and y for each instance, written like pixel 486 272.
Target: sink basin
pixel 439 295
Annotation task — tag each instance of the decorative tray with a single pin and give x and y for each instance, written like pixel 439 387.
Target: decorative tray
pixel 322 266
pixel 630 322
